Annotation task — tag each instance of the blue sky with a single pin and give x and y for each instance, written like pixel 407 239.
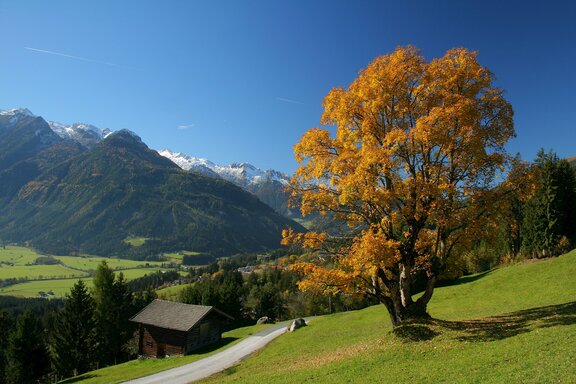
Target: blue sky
pixel 243 80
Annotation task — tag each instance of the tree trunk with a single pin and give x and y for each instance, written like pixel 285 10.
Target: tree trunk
pixel 402 308
pixel 399 314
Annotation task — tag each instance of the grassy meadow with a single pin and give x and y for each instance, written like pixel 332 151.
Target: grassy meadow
pixel 38 272
pixel 135 241
pixel 91 262
pixel 59 287
pixel 17 255
pixel 171 293
pixel 515 324
pixel 18 263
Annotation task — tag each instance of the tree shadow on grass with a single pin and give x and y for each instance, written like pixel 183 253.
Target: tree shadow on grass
pixel 491 328
pixel 416 330
pixel 512 324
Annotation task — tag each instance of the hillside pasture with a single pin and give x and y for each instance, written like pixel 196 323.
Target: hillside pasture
pixel 135 241
pixel 90 263
pixel 176 257
pixel 17 255
pixel 60 287
pixel 131 274
pixel 515 324
pixel 171 293
pixel 18 263
pixel 39 272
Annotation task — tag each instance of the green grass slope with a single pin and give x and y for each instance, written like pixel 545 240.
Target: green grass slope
pixel 514 324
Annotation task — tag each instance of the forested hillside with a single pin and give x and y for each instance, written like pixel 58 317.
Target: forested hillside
pixel 65 199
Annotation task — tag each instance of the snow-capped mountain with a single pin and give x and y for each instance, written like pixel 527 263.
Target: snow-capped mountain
pixel 32 133
pixel 85 134
pixel 15 112
pixel 241 174
pixel 11 117
pixel 268 185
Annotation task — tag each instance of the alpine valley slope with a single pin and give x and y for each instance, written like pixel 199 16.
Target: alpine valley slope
pixel 270 186
pixel 64 197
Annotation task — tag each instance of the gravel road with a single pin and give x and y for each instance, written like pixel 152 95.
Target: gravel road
pixel 216 363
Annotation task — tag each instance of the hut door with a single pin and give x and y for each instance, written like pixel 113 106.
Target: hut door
pixel 205 333
pixel 161 350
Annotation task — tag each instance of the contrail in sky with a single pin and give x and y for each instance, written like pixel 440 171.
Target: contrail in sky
pixel 289 101
pixel 69 56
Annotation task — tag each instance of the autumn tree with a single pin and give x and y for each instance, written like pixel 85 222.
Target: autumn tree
pixel 410 168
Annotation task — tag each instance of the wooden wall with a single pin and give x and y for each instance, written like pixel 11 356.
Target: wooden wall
pixel 207 332
pixel 159 342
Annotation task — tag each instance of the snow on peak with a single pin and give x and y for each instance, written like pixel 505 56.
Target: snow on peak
pixel 86 134
pixel 242 174
pixel 16 111
pixel 11 117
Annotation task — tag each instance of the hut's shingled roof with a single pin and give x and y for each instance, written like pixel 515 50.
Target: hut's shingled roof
pixel 171 315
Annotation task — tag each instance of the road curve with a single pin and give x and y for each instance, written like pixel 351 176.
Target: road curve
pixel 216 363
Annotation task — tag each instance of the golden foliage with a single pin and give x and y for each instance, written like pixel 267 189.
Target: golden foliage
pixel 416 149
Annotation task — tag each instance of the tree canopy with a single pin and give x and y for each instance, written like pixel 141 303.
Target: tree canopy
pixel 410 168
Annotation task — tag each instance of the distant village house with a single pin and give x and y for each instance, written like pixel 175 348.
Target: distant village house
pixel 169 328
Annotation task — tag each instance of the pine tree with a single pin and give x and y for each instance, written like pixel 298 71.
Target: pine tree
pixel 113 307
pixel 230 294
pixel 566 196
pixel 103 293
pixel 123 310
pixel 550 216
pixel 5 325
pixel 27 356
pixel 73 342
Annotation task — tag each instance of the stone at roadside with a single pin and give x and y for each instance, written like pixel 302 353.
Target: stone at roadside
pixel 264 320
pixel 298 323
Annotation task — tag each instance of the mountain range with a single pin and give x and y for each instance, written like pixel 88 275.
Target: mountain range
pixel 270 186
pixel 79 189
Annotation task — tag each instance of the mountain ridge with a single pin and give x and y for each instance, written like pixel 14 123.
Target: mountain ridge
pixel 89 200
pixel 270 186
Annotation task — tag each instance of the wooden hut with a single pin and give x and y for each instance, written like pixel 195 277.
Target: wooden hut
pixel 169 328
